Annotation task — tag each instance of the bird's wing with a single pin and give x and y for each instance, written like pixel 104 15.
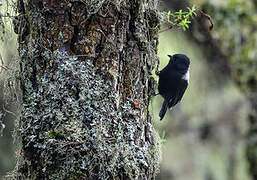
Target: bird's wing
pixel 167 83
pixel 177 96
pixel 182 87
pixel 164 108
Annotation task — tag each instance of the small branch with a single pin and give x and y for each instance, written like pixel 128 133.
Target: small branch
pixel 208 17
pixel 171 26
pixel 5 67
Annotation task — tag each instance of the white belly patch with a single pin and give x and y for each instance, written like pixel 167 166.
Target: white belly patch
pixel 186 76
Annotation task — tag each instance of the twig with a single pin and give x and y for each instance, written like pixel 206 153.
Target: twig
pixel 208 17
pixel 171 26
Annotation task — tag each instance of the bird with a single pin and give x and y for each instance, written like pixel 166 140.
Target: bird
pixel 173 81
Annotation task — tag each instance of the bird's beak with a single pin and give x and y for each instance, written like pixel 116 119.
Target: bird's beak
pixel 170 56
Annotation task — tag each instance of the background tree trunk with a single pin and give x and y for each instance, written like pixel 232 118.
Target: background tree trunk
pixel 86 84
pixel 251 137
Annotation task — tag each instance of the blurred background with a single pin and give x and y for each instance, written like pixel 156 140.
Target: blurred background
pixel 206 135
pixel 205 132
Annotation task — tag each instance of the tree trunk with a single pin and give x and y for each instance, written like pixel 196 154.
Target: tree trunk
pixel 86 84
pixel 252 136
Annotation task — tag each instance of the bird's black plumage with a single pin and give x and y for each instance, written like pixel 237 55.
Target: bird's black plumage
pixel 173 81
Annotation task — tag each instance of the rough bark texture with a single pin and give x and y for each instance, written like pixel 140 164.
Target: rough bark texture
pixel 86 83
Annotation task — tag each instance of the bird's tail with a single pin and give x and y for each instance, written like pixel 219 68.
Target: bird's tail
pixel 163 109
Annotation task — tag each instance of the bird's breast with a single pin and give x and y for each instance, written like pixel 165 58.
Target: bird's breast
pixel 186 76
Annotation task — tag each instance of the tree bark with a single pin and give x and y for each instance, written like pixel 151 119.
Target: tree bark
pixel 86 84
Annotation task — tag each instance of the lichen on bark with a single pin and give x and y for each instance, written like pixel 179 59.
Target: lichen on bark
pixel 86 84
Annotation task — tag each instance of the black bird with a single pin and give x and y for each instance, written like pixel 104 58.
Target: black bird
pixel 173 81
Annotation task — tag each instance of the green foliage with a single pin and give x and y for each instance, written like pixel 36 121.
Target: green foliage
pixel 152 150
pixel 181 18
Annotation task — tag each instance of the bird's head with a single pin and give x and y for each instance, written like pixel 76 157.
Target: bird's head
pixel 180 61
